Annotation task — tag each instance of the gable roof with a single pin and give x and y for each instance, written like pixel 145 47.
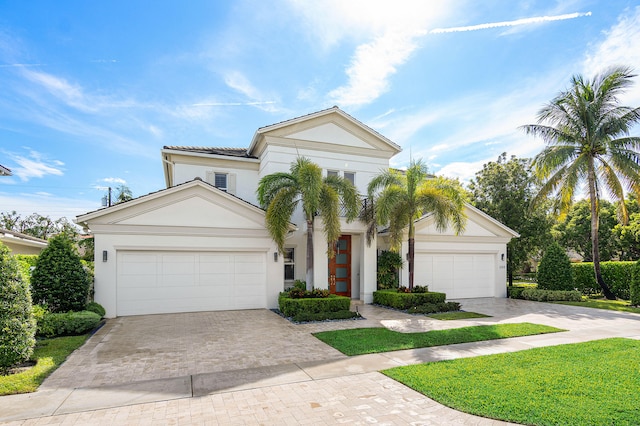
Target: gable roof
pixel 18 238
pixel 4 171
pixel 231 152
pixel 333 110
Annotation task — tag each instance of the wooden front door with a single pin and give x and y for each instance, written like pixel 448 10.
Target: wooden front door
pixel 340 268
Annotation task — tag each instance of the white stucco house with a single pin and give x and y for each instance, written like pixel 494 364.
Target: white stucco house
pixel 201 243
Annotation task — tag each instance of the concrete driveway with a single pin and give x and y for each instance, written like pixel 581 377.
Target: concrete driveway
pixel 254 367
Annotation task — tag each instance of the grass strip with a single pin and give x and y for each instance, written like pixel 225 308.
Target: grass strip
pixel 360 341
pixel 48 354
pixel 457 315
pixel 611 305
pixel 592 383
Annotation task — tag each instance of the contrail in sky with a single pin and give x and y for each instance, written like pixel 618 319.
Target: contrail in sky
pixel 524 21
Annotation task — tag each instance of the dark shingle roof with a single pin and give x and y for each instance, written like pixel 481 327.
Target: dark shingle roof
pixel 231 152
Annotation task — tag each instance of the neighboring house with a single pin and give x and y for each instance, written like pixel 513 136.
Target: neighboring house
pixel 4 171
pixel 201 243
pixel 20 243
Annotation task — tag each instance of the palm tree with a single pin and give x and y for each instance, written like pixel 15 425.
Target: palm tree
pixel 403 197
pixel 281 193
pixel 587 136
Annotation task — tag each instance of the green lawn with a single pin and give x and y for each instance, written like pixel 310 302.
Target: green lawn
pixel 612 305
pixel 49 354
pixel 592 383
pixel 457 315
pixel 374 340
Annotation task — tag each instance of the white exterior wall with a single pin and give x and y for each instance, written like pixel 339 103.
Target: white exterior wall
pixel 106 272
pixel 246 181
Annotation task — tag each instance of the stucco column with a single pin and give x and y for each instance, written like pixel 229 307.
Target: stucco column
pixel 320 260
pixel 368 269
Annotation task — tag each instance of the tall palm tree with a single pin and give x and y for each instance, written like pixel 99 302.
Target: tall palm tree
pixel 587 136
pixel 402 197
pixel 281 193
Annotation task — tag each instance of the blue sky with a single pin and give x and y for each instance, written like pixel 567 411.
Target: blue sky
pixel 91 91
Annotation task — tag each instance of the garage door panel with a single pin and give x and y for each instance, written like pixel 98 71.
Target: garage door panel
pixel 457 275
pixel 163 282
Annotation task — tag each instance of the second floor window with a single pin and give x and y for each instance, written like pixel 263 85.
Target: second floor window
pixel 220 181
pixel 350 176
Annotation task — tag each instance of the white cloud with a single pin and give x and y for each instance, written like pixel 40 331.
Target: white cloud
pixel 618 47
pixel 115 180
pixel 35 165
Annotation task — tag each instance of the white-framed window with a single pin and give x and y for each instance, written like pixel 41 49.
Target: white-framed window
pixel 220 181
pixel 289 258
pixel 350 176
pixel 332 173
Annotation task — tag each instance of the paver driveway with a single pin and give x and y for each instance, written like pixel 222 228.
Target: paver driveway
pixel 253 367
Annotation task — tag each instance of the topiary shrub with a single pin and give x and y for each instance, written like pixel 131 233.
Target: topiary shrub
pixel 95 307
pixel 554 272
pixel 67 323
pixel 389 262
pixel 59 280
pixel 404 301
pixel 291 307
pixel 634 287
pixel 17 325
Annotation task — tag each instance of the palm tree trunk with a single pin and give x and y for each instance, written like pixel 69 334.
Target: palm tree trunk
pixel 412 245
pixel 595 223
pixel 309 276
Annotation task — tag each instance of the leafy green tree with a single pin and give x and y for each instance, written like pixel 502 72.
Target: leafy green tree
pixel 37 225
pixel 281 194
pixel 628 236
pixel 123 194
pixel 554 271
pixel 586 133
pixel 389 263
pixel 400 198
pixel 574 232
pixel 59 279
pixel 504 189
pixel 17 325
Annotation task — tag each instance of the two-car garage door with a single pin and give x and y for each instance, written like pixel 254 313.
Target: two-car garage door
pixel 153 282
pixel 458 275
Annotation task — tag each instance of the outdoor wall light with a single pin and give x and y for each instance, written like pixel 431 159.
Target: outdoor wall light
pixel 104 255
pixel 275 256
pixel 502 257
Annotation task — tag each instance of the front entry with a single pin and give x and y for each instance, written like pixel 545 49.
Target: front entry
pixel 340 268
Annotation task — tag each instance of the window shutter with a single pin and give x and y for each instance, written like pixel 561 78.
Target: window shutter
pixel 211 177
pixel 231 183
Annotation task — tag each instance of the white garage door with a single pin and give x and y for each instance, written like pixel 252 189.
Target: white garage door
pixel 458 275
pixel 153 282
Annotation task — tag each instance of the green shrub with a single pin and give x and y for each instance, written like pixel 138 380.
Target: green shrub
pixel 431 308
pixel 291 307
pixel 26 262
pixel 634 288
pixel 322 316
pixel 405 301
pixel 554 271
pixel 515 292
pixel 539 295
pixel 95 307
pixel 300 293
pixel 17 325
pixel 617 275
pixel 389 262
pixel 68 323
pixel 59 280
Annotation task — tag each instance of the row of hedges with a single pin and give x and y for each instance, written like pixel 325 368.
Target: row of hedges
pixel 403 301
pixel 617 275
pixel 292 307
pixel 538 295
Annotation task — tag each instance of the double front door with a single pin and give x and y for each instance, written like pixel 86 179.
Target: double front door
pixel 340 268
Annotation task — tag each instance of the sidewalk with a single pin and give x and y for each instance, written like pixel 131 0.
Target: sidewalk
pixel 333 391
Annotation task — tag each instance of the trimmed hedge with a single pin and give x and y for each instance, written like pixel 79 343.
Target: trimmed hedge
pixel 405 301
pixel 291 307
pixel 617 275
pixel 551 295
pixel 67 323
pixel 96 307
pixel 554 271
pixel 515 292
pixel 634 288
pixel 17 324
